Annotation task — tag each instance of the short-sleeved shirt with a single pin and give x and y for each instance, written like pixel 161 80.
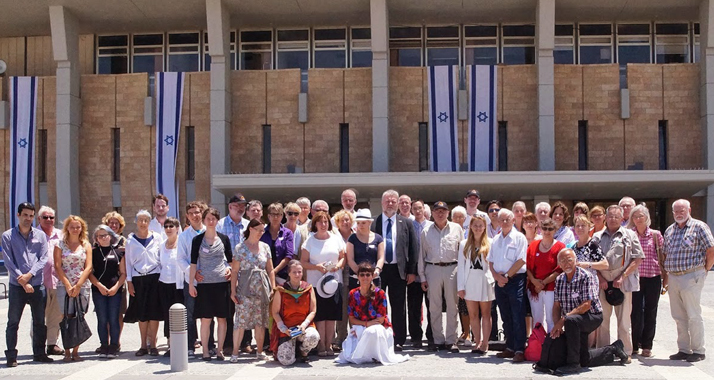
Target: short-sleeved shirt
pixel 322 251
pixel 620 248
pixel 105 265
pixel 686 246
pixel 365 252
pixel 589 253
pixel 571 294
pixel 543 264
pixel 280 248
pixel 506 250
pixel 364 310
pixel 649 267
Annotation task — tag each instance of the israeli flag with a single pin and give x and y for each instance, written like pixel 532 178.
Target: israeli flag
pixel 23 111
pixel 444 155
pixel 169 103
pixel 482 118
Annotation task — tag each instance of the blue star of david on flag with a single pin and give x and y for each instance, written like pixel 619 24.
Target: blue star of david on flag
pixel 443 117
pixel 169 140
pixel 22 143
pixel 482 117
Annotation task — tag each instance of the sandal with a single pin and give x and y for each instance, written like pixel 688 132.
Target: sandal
pixel 322 354
pixel 234 358
pixel 220 357
pixel 77 358
pixel 330 352
pixel 154 351
pixel 67 359
pixel 261 356
pixel 141 352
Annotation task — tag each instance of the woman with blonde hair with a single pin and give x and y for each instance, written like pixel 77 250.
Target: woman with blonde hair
pixel 475 281
pixel 73 264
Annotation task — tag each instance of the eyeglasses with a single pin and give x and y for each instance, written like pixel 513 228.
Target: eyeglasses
pixel 493 210
pixel 48 217
pixel 547 229
pixel 194 213
pixel 275 215
pixel 292 213
pixel 365 274
pixel 169 226
pixel 102 236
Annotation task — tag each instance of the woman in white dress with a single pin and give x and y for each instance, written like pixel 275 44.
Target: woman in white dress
pixel 475 281
pixel 371 337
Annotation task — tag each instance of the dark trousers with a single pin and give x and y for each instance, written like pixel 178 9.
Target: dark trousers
pixel 17 299
pixel 511 303
pixel 190 304
pixel 107 309
pixel 228 342
pixel 644 312
pixel 577 329
pixel 396 289
pixel 494 322
pixel 415 297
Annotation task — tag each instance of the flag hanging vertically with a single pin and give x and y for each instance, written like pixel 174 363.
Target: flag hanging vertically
pixel 482 118
pixel 23 109
pixel 444 152
pixel 169 102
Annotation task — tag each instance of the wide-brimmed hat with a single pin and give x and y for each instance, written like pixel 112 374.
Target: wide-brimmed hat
pixel 327 285
pixel 363 214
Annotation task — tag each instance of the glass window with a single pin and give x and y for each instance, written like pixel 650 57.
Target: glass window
pixel 672 43
pixel 405 45
pixel 184 49
pixel 633 44
pixel 147 53
pixel 696 47
pixel 256 50
pixel 207 54
pixel 361 47
pixel 481 44
pixel 564 50
pixel 518 44
pixel 330 48
pixel 113 54
pixel 442 46
pixel 595 43
pixel 293 49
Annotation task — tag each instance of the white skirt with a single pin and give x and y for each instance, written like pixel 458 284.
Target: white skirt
pixel 373 343
pixel 479 287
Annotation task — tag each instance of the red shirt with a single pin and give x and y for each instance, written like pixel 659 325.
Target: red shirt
pixel 360 307
pixel 542 264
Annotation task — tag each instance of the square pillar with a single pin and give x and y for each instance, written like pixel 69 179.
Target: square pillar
pixel 706 95
pixel 545 42
pixel 379 14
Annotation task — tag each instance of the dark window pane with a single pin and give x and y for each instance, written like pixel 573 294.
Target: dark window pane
pixel 183 38
pixel 481 31
pixel 595 30
pixel 633 54
pixel 633 29
pixel 405 32
pixel 256 36
pixel 113 65
pixel 481 56
pixel 330 34
pixel 256 61
pixel 595 54
pixel 148 39
pixel 442 32
pixel 116 154
pixel 207 62
pixel 104 41
pixel 563 56
pixel 293 35
pixel 518 55
pixel 361 33
pixel 696 28
pixel 148 63
pixel 672 29
pixel 42 155
pixel 361 58
pixel 442 57
pixel 564 30
pixel 183 62
pixel 672 54
pixel 518 30
pixel 330 59
pixel 405 57
pixel 293 60
pixel 190 153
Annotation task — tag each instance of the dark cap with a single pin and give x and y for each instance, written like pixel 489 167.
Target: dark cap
pixel 473 192
pixel 440 205
pixel 237 198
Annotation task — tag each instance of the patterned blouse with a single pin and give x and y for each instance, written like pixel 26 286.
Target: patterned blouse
pixel 73 264
pixel 589 253
pixel 360 308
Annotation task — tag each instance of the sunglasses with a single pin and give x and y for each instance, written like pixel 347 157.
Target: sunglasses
pixel 292 213
pixel 494 210
pixel 47 217
pixel 547 228
pixel 365 274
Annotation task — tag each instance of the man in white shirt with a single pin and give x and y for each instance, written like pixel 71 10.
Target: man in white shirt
pixel 194 213
pixel 507 260
pixel 405 206
pixel 438 254
pixel 53 315
pixel 160 205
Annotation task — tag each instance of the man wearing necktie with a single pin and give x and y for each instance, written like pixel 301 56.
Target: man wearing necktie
pixel 400 261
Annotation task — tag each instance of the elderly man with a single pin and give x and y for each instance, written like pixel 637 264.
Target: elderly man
pixel 304 229
pixel 254 210
pixel 415 294
pixel 689 252
pixel 405 206
pixel 623 253
pixel 438 254
pixel 53 316
pixel 542 212
pixel 348 199
pixel 304 204
pixel 578 312
pixel 400 261
pixel 627 204
pixel 507 260
pixel 160 205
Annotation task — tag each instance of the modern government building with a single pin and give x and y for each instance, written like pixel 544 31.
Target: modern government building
pixel 283 98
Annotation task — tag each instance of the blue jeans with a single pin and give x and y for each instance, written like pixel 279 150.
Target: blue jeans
pixel 513 312
pixel 17 299
pixel 107 309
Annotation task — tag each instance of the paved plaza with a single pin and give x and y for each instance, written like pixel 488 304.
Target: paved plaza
pixel 422 365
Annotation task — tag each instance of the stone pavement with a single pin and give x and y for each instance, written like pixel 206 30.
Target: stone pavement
pixel 422 365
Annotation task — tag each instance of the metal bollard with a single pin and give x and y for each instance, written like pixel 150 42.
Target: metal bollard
pixel 178 326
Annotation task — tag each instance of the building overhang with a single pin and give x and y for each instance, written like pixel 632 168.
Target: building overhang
pixel 430 186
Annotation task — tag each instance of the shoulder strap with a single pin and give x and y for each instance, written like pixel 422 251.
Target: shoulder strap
pixel 658 249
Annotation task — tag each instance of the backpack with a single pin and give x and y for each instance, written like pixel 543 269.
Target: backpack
pixel 553 355
pixel 535 343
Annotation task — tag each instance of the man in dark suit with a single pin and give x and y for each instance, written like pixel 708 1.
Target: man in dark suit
pixel 400 261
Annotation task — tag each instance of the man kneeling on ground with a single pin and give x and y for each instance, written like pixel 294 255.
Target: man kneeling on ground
pixel 578 312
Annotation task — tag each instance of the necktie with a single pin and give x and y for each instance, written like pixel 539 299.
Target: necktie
pixel 389 254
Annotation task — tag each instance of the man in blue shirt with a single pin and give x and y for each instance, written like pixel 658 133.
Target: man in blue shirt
pixel 25 250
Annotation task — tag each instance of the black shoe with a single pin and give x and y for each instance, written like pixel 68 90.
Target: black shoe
pixel 12 363
pixel 454 349
pixel 417 345
pixel 441 347
pixel 620 351
pixel 42 359
pixel 569 369
pixel 693 358
pixel 432 348
pixel 54 350
pixel 398 348
pixel 679 356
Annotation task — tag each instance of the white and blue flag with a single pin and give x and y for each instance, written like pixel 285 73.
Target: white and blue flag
pixel 169 103
pixel 443 133
pixel 482 118
pixel 23 112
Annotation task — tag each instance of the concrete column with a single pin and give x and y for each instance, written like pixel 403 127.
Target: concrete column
pixel 65 48
pixel 379 14
pixel 218 21
pixel 375 206
pixel 545 41
pixel 706 94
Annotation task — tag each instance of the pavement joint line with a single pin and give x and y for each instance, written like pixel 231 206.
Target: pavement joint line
pixel 102 370
pixel 258 371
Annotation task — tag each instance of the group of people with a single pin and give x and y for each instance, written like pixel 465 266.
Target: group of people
pixel 307 281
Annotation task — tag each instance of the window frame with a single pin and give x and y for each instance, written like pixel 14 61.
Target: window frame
pixel 581 44
pixel 656 44
pixel 466 40
pixel 162 54
pixel 272 51
pixel 421 39
pixel 353 48
pixel 618 43
pixel 98 53
pixel 231 45
pixel 696 47
pixel 277 49
pixel 572 44
pixel 198 46
pixel 504 45
pixel 426 40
